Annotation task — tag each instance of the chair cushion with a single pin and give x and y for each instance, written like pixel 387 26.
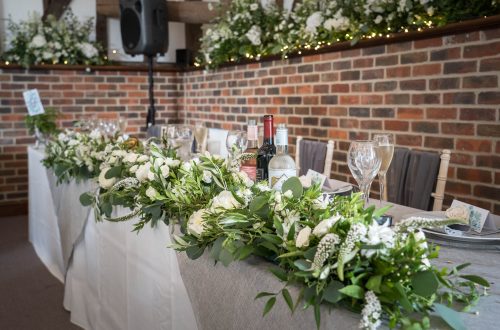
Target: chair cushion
pixel 312 156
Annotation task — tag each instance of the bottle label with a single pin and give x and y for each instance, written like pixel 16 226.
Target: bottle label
pixel 278 176
pixel 252 133
pixel 251 171
pixel 281 137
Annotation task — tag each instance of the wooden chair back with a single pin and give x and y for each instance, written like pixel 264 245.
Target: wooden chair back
pixel 328 157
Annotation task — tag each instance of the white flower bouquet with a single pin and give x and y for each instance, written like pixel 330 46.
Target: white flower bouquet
pixel 66 41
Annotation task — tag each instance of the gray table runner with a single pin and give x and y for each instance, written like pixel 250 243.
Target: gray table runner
pixel 71 215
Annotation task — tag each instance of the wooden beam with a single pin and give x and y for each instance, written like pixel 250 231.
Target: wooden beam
pixel 192 12
pixel 55 8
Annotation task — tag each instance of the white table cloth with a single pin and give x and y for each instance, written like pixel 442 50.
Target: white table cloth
pixel 116 278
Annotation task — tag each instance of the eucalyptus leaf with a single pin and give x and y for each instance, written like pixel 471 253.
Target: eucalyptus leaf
pixel 225 257
pixel 243 252
pixel 291 254
pixel 279 273
pixel 425 283
pixel 302 264
pixel 403 298
pixel 279 226
pixel 354 291
pixel 476 279
pixel 216 248
pixel 87 199
pixel 272 238
pixel 264 294
pixel 113 172
pixel 373 283
pixel 194 252
pixel 332 292
pixel 258 203
pixel 450 316
pixel 294 185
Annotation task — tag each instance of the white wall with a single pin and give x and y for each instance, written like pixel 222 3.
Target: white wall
pixel 84 9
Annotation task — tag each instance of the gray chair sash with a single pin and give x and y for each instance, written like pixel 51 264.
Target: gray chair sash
pixel 312 156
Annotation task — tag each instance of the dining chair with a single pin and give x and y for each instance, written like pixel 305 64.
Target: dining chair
pixel 314 155
pixel 216 142
pixel 415 177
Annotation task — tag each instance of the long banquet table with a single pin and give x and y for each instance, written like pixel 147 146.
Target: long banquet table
pixel 117 279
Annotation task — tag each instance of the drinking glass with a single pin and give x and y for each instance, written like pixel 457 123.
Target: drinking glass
pixel 385 144
pixel 180 137
pixel 200 135
pixel 236 143
pixel 364 162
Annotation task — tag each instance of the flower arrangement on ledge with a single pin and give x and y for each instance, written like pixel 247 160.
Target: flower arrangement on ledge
pixel 255 28
pixel 66 41
pixel 333 248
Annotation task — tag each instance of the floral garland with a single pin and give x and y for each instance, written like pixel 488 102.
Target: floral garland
pixel 66 41
pixel 333 248
pixel 255 28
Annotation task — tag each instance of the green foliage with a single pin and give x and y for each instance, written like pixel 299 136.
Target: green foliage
pixel 45 122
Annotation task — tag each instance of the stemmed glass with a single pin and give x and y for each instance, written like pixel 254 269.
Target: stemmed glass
pixel 200 134
pixel 385 144
pixel 181 138
pixel 236 143
pixel 364 162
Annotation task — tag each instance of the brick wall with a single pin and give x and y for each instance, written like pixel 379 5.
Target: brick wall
pixel 75 93
pixel 433 94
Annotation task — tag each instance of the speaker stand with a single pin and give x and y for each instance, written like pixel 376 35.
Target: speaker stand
pixel 150 120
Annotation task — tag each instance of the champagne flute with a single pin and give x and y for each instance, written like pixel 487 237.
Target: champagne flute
pixel 385 144
pixel 200 135
pixel 236 143
pixel 364 162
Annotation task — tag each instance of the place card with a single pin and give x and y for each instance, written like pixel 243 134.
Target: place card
pixel 317 178
pixel 33 102
pixel 477 216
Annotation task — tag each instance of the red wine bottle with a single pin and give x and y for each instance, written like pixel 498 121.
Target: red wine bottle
pixel 267 150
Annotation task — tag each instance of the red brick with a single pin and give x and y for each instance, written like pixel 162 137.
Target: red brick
pixel 482 50
pixel 474 175
pixel 462 159
pixel 416 85
pixel 459 98
pixel 361 87
pixel 340 88
pixel 460 67
pixel 348 99
pixel 458 188
pixel 480 82
pixel 409 140
pixel 397 99
pixel 444 83
pixel 398 72
pixel 492 130
pixel 488 192
pixel 438 142
pixel 493 162
pixel 349 123
pixel 489 98
pixel 483 114
pixel 425 127
pixel 489 64
pixel 457 128
pixel 426 69
pixel 362 62
pixel 410 113
pixel 474 145
pixel 427 43
pixel 371 99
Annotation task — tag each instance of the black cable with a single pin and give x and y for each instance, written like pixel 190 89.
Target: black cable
pixel 150 120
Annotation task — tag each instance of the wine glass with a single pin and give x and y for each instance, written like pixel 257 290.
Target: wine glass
pixel 200 135
pixel 236 143
pixel 386 151
pixel 364 162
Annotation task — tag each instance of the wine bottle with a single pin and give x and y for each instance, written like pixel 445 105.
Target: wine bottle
pixel 249 166
pixel 282 166
pixel 267 150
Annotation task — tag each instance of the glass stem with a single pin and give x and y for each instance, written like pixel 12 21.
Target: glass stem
pixel 381 180
pixel 365 188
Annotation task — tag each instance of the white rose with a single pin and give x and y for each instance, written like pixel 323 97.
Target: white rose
pixel 151 193
pixel 225 200
pixel 430 11
pixel 131 157
pixel 207 176
pixel 186 166
pixel 142 172
pixel 165 170
pixel 172 162
pixel 106 183
pixel 95 134
pixel 420 238
pixel 313 22
pixel 254 35
pixel 38 41
pixel 378 19
pixel 245 179
pixel 134 168
pixel 142 159
pixel 195 225
pixel 254 6
pixel 88 50
pixel 158 162
pixel 288 194
pixel 321 202
pixel 151 175
pixel 324 226
pixel 303 237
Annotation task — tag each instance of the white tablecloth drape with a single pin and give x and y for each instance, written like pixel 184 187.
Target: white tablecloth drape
pixel 116 278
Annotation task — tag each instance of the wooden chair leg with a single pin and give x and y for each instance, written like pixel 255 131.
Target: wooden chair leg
pixel 328 159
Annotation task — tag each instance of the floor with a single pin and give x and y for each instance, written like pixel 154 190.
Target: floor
pixel 30 297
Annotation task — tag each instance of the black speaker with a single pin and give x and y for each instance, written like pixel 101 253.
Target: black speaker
pixel 144 26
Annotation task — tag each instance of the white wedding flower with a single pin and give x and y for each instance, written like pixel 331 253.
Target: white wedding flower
pixel 142 172
pixel 88 50
pixel 378 19
pixel 133 169
pixel 371 313
pixel 245 179
pixel 119 153
pixel 165 170
pixel 95 134
pixel 46 55
pixel 324 226
pixel 254 6
pixel 321 203
pixel 195 225
pixel 151 174
pixel 303 237
pixel 430 11
pixel 142 159
pixel 225 200
pixel 207 176
pixel 288 194
pixel 151 193
pixel 157 162
pixel 254 35
pixel 106 183
pixel 130 157
pixel 313 22
pixel 38 41
pixel 305 181
pixel 378 234
pixel 172 162
pixel 62 137
pixel 186 166
pixel 72 143
pixel 262 186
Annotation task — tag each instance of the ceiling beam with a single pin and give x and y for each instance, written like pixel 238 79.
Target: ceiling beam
pixel 192 12
pixel 55 8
